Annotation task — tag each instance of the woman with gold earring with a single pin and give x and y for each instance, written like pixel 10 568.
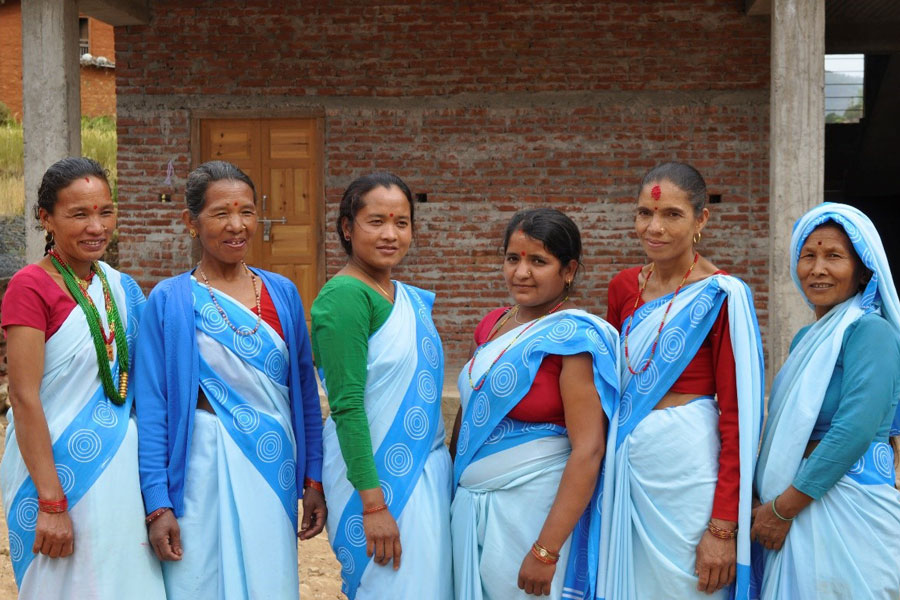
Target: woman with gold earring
pixel 677 494
pixel 228 410
pixel 529 438
pixel 69 476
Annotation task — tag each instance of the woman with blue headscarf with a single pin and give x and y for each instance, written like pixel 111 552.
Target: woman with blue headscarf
pixel 830 514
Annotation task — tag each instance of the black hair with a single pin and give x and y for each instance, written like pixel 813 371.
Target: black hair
pixel 555 230
pixel 59 176
pixel 351 201
pixel 202 177
pixel 683 175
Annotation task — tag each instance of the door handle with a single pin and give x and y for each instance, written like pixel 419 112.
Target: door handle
pixel 265 199
pixel 267 226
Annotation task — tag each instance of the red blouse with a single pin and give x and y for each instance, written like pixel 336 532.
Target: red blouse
pixel 711 372
pixel 34 300
pixel 269 314
pixel 543 402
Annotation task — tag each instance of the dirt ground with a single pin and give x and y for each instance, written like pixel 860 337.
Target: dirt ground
pixel 319 571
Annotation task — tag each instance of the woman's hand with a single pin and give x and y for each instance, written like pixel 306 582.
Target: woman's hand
pixel 768 529
pixel 53 535
pixel 382 538
pixel 716 562
pixel 535 576
pixel 314 514
pixel 165 537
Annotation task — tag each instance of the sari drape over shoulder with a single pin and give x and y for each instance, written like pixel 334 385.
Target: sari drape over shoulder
pixel 403 409
pixel 95 451
pixel 847 543
pixel 661 465
pixel 507 472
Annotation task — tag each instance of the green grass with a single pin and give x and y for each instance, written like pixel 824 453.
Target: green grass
pixel 98 141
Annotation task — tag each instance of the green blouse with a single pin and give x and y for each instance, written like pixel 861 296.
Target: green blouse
pixel 344 316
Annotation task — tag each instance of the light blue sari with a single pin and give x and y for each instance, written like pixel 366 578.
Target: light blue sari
pixel 507 472
pixel 662 465
pixel 403 408
pixel 240 504
pixel 847 543
pixel 95 451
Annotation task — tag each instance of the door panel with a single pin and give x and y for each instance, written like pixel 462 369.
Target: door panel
pixel 281 156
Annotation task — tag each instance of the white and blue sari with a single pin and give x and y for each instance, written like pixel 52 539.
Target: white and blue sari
pixel 239 524
pixel 507 472
pixel 847 543
pixel 403 409
pixel 95 451
pixel 662 465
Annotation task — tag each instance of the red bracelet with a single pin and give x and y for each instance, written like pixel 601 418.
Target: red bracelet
pixel 374 509
pixel 155 514
pixel 312 483
pixel 53 507
pixel 544 555
pixel 720 532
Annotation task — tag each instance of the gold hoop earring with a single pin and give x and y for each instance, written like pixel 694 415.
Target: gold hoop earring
pixel 697 237
pixel 193 233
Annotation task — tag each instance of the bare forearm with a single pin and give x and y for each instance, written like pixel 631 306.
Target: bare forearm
pixel 791 502
pixel 575 490
pixel 33 438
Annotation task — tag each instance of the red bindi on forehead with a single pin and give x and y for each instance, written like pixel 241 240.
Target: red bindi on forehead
pixel 87 179
pixel 391 215
pixel 656 192
pixel 235 203
pixel 819 243
pixel 523 255
pixel 95 207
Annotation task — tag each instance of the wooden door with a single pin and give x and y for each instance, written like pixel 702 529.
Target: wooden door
pixel 282 157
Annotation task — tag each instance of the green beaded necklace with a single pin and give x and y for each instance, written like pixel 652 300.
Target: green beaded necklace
pixel 80 293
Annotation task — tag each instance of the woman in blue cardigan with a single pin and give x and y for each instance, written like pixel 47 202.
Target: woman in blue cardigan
pixel 230 429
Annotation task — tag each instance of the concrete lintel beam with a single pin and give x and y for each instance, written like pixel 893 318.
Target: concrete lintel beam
pixel 117 12
pixel 758 8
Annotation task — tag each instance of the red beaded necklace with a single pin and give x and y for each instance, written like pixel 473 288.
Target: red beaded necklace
pixel 515 310
pixel 665 314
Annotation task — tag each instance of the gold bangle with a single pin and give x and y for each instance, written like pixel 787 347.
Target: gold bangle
pixel 544 555
pixel 721 532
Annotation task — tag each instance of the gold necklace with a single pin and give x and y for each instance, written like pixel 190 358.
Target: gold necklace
pixel 387 296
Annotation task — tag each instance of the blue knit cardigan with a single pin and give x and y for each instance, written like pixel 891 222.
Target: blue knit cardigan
pixel 167 378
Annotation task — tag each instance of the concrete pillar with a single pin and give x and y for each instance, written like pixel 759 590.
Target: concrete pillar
pixel 50 93
pixel 796 155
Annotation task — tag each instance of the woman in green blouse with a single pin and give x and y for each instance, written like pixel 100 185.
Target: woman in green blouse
pixel 386 470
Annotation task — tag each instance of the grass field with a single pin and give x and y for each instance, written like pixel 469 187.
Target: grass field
pixel 98 141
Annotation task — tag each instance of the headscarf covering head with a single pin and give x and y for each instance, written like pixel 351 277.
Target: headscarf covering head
pixel 880 292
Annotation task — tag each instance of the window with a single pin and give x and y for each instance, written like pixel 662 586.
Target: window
pixel 83 39
pixel 844 74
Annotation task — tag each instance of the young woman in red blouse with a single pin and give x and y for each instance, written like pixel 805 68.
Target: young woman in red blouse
pixel 687 421
pixel 528 442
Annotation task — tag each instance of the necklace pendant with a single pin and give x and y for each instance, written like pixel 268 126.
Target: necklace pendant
pixel 109 352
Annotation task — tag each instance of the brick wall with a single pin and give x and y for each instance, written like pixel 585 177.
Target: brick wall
pixel 98 91
pixel 488 109
pixel 11 57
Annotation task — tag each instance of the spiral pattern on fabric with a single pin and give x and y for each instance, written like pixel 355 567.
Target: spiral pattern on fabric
pixel 84 445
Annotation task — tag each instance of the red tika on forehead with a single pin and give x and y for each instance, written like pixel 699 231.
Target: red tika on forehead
pixel 656 192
